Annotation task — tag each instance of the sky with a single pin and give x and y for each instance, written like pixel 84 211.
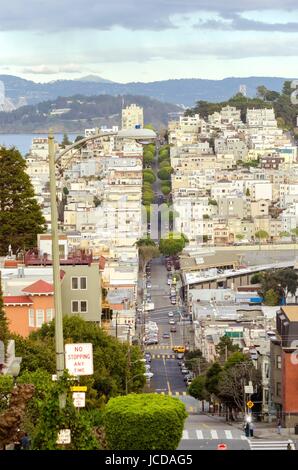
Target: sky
pixel 148 40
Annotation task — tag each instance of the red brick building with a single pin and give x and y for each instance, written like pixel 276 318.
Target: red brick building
pixel 284 366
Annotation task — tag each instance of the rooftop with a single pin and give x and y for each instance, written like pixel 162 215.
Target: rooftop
pixel 291 312
pixel 39 287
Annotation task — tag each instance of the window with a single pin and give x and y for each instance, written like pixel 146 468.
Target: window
pixel 39 317
pixel 31 317
pixel 49 315
pixel 79 283
pixel 278 389
pixel 79 306
pixel 75 306
pixel 278 362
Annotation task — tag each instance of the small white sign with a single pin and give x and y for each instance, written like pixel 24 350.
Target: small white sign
pixel 79 399
pixel 79 358
pixel 248 389
pixel 64 436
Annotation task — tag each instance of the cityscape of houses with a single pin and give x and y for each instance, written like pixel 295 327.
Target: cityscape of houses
pixel 234 189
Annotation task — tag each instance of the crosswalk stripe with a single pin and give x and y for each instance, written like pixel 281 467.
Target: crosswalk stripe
pixel 199 434
pixel 185 435
pixel 177 394
pixel 228 434
pixel 269 445
pixel 244 438
pixel 214 434
pixel 184 394
pixel 190 409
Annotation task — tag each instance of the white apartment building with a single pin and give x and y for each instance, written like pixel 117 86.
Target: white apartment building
pixel 132 116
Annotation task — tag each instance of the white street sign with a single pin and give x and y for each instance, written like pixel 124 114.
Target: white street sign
pixel 248 389
pixel 79 399
pixel 64 436
pixel 79 358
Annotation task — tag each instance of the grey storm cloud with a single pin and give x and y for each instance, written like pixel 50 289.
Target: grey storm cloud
pixel 235 22
pixel 61 15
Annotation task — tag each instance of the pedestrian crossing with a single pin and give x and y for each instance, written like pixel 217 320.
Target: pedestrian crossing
pixel 173 394
pixel 263 444
pixel 212 434
pixel 158 346
pixel 163 356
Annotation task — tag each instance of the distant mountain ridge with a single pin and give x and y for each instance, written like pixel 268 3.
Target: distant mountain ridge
pixel 76 113
pixel 183 92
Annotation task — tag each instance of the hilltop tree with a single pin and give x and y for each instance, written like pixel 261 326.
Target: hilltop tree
pixel 3 321
pixel 20 215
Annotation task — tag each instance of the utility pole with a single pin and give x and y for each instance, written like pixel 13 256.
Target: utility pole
pixel 128 361
pixel 56 261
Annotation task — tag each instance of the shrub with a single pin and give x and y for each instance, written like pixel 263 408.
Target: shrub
pixel 144 422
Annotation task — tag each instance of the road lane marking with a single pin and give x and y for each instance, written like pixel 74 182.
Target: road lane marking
pixel 199 434
pixel 228 434
pixel 185 435
pixel 214 434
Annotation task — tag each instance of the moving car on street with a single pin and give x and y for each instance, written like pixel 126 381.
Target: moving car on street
pixel 179 349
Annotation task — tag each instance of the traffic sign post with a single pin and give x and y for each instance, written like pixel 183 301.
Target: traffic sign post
pixel 64 436
pixel 79 399
pixel 250 404
pixel 79 358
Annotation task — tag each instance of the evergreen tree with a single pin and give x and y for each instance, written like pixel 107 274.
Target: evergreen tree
pixel 20 215
pixel 65 141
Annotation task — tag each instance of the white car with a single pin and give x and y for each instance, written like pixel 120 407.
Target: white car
pixel 170 314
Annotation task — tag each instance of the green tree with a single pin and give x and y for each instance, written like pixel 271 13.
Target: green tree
pixel 165 189
pixel 20 215
pixel 52 419
pixel 79 137
pixel 212 379
pixel 165 173
pixel 65 141
pixel 284 234
pixel 6 386
pixel 225 347
pixel 150 126
pixel 256 278
pixel 271 298
pixel 149 178
pixel 109 355
pixel 262 235
pixel 212 202
pixel 148 158
pixel 173 244
pixel 239 236
pixel 197 388
pixel 164 164
pixel 146 422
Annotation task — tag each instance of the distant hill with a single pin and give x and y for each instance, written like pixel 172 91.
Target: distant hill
pixel 93 78
pixel 182 92
pixel 75 113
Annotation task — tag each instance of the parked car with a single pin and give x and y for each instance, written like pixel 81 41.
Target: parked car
pixel 170 314
pixel 181 363
pixel 184 370
pixel 172 322
pixel 180 356
pixel 166 335
pixel 148 285
pixel 173 301
pixel 173 329
pixel 188 382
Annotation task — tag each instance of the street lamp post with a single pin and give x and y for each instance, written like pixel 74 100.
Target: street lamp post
pixel 56 263
pixel 137 135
